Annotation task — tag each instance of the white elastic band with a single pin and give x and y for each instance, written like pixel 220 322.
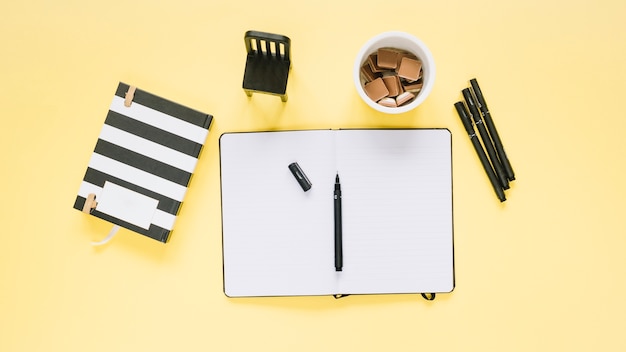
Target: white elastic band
pixel 109 236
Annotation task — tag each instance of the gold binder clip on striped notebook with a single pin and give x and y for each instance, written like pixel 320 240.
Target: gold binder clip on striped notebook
pixel 128 97
pixel 90 203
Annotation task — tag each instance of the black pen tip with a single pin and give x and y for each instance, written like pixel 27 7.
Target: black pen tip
pixel 337 178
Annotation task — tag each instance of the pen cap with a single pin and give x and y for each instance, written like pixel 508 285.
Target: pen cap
pixel 478 93
pixel 471 104
pixel 462 111
pixel 300 176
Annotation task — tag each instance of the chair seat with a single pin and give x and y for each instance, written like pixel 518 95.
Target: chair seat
pixel 266 74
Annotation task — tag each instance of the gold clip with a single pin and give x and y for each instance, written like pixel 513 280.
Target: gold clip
pixel 130 95
pixel 90 203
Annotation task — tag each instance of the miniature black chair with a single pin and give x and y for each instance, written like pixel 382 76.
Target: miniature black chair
pixel 267 64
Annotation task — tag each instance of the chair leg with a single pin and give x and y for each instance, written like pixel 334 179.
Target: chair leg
pixel 248 93
pixel 283 98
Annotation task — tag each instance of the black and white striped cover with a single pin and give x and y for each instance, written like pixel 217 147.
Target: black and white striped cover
pixel 149 150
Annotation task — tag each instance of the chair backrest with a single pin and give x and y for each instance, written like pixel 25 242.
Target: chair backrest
pixel 268 44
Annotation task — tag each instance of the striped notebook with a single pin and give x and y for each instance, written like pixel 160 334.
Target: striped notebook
pixel 143 161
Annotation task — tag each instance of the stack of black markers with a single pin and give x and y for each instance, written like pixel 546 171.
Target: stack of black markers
pixel 497 165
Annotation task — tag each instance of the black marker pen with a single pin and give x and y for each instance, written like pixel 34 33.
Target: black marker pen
pixel 482 105
pixel 462 111
pixel 493 156
pixel 338 227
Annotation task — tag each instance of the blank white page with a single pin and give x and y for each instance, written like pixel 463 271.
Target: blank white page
pixel 397 210
pixel 277 239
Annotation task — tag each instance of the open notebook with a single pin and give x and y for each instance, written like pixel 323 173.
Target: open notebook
pixel 278 240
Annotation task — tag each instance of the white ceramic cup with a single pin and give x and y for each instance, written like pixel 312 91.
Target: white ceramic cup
pixel 398 40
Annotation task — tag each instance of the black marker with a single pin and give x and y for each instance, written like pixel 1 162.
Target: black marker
pixel 482 105
pixel 338 229
pixel 504 182
pixel 462 111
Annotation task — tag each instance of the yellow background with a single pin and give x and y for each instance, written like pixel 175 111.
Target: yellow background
pixel 542 271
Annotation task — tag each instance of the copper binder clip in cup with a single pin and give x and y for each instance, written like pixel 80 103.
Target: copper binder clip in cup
pixel 130 95
pixel 400 54
pixel 90 203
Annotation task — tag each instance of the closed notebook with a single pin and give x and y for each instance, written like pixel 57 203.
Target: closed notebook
pixel 143 161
